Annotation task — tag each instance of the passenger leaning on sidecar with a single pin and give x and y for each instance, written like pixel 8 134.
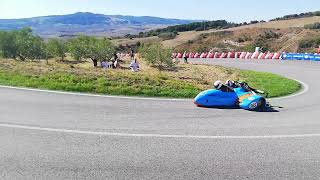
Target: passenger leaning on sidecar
pixel 222 87
pixel 244 85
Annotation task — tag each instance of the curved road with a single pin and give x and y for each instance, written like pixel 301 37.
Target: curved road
pixel 46 135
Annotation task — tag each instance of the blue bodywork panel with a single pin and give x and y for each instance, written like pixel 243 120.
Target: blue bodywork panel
pixel 239 98
pixel 216 98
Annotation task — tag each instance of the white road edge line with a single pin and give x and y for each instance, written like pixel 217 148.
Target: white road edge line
pixel 69 131
pixel 91 95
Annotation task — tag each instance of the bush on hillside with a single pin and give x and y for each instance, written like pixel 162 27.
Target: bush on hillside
pixel 248 48
pixel 262 43
pixel 312 26
pixel 199 29
pixel 167 35
pixel 309 43
pixel 270 35
pixel 244 38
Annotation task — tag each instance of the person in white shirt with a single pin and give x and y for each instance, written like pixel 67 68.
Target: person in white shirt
pixel 185 57
pixel 135 66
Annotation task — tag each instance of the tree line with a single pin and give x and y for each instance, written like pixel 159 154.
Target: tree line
pixel 172 31
pixel 23 44
pixel 295 16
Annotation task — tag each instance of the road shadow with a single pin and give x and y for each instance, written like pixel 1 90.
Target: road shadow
pixel 270 109
pixel 215 107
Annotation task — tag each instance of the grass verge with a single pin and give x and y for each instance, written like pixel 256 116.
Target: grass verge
pixel 186 82
pixel 274 84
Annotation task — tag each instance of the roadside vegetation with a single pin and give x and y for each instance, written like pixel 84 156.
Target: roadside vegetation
pixel 184 82
pixel 73 65
pixel 82 78
pixel 23 45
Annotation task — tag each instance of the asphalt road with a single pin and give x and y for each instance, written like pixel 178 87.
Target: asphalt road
pixel 46 135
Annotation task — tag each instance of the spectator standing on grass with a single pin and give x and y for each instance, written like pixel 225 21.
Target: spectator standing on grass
pixel 132 53
pixel 116 64
pixel 115 56
pixel 114 60
pixel 135 66
pixel 185 58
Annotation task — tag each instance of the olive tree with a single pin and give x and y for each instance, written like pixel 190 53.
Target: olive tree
pixel 56 48
pixel 28 45
pixel 78 47
pixel 157 55
pixel 8 47
pixel 91 47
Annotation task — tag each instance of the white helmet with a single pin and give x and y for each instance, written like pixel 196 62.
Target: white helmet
pixel 218 84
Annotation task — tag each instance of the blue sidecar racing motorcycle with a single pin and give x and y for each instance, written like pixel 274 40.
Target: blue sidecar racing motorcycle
pixel 238 98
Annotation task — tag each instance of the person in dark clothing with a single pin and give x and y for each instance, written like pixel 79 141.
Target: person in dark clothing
pixel 115 56
pixel 132 54
pixel 95 62
pixel 224 88
pixel 244 85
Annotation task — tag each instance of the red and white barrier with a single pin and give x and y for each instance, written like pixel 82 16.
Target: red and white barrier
pixel 255 55
pixel 211 55
pixel 230 55
pixel 243 55
pixel 248 56
pixel 237 55
pixel 277 55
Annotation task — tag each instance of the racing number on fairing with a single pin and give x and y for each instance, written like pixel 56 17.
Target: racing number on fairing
pixel 245 96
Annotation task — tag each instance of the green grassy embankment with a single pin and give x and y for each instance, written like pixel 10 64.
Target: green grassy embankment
pixel 274 84
pixel 186 82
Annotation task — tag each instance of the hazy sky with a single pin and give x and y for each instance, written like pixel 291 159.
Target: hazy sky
pixel 232 10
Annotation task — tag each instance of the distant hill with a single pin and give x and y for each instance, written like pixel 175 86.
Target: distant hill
pixel 292 36
pixel 293 20
pixel 89 24
pixel 279 35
